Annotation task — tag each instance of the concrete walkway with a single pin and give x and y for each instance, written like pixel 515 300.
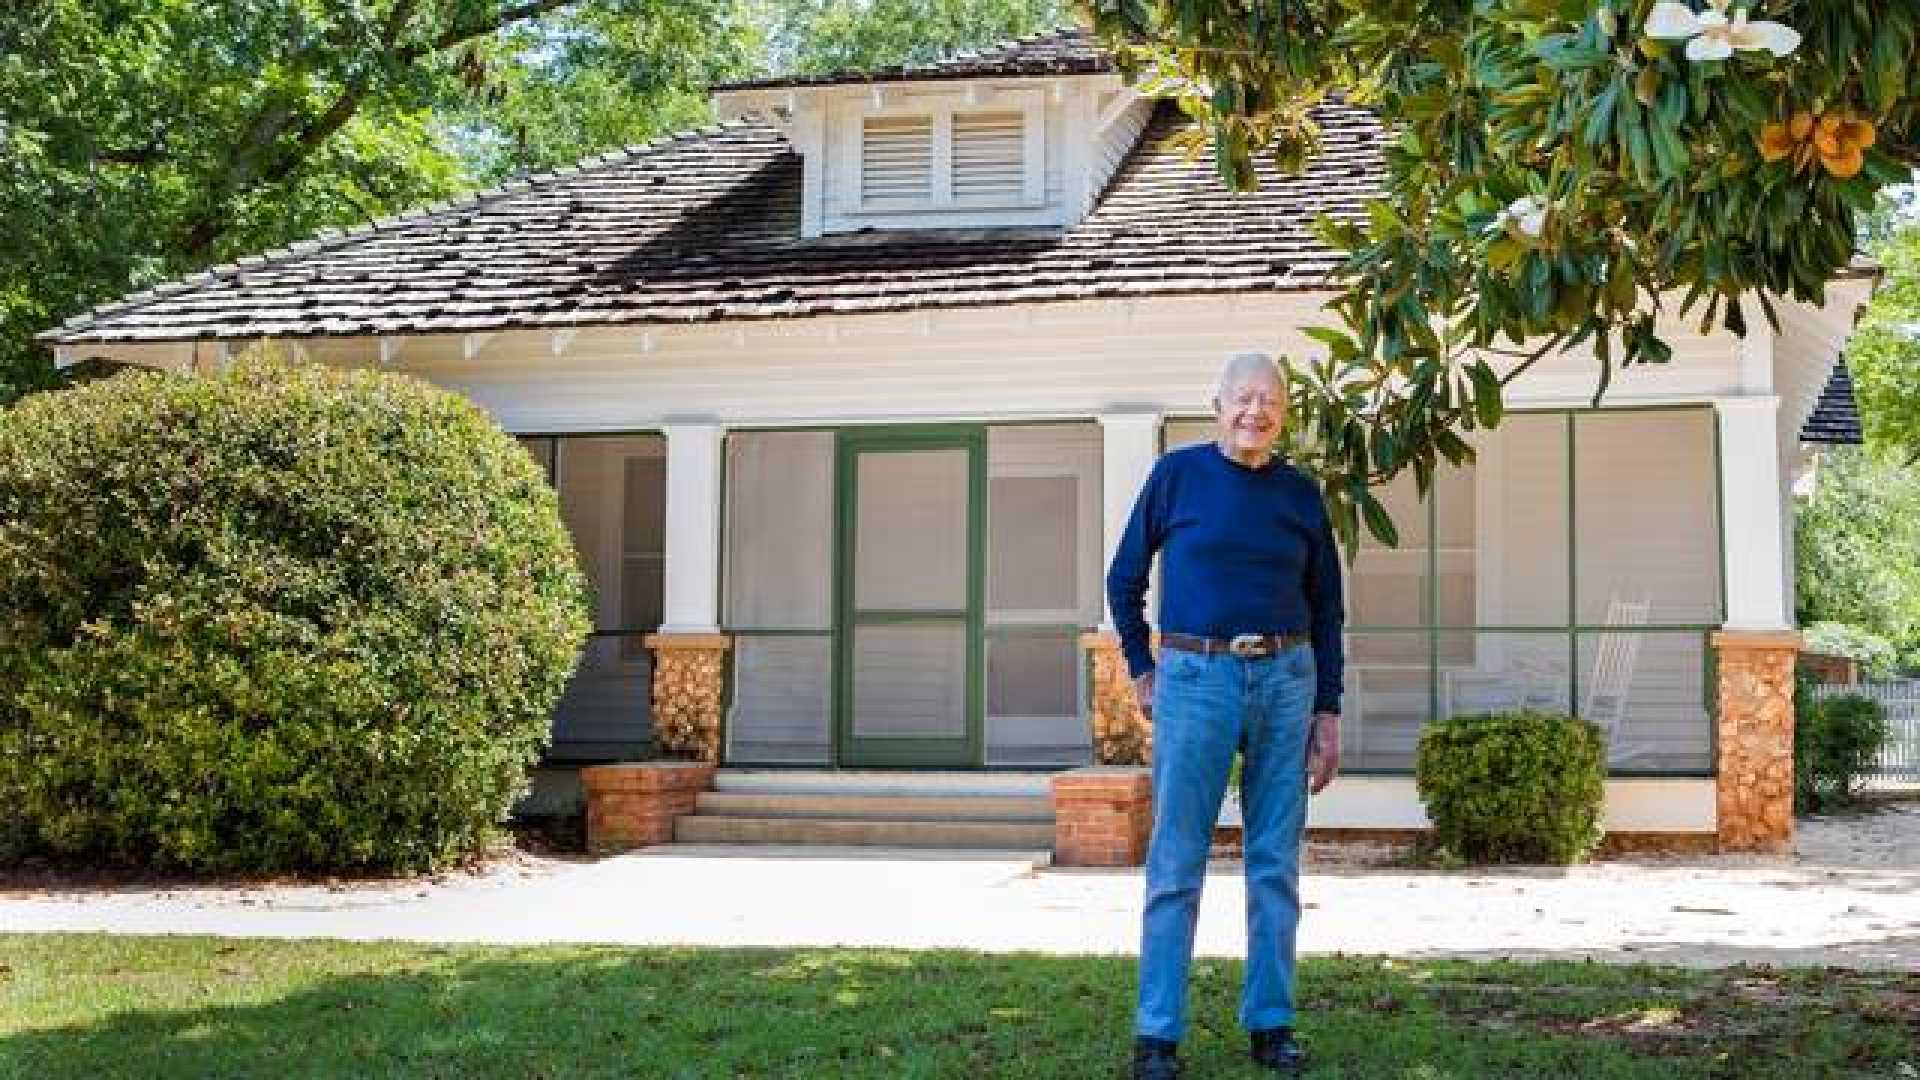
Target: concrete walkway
pixel 1850 896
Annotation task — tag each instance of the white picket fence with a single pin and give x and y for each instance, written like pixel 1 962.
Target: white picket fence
pixel 1900 760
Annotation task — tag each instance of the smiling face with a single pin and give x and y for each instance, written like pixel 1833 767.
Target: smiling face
pixel 1250 415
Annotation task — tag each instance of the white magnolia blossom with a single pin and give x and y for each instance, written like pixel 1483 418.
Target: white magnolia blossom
pixel 1711 35
pixel 1525 213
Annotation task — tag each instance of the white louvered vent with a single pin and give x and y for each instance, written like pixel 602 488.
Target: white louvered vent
pixel 896 159
pixel 989 156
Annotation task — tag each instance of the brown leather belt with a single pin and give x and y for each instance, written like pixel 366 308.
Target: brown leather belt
pixel 1245 646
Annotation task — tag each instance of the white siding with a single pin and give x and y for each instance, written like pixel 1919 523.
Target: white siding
pixel 1112 146
pixel 1005 362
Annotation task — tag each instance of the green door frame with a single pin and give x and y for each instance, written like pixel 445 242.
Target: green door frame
pixel 908 751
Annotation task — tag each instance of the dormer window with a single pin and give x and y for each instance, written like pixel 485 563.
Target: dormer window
pixel 941 155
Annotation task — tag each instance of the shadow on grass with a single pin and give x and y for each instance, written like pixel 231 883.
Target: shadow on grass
pixel 184 1007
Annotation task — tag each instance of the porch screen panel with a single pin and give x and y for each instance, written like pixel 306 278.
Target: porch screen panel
pixel 1507 671
pixel 779 530
pixel 1524 542
pixel 778 590
pixel 540 449
pixel 781 698
pixel 1044 584
pixel 1388 699
pixel 613 499
pixel 911 531
pixel 1648 691
pixel 1646 518
pixel 1175 434
pixel 1387 586
pixel 909 680
pixel 1035 695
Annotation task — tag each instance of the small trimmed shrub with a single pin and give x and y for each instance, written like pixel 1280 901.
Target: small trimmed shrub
pixel 287 617
pixel 1835 743
pixel 1513 787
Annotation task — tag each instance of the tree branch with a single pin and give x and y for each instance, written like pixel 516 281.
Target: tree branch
pixel 499 20
pixel 242 175
pixel 1531 359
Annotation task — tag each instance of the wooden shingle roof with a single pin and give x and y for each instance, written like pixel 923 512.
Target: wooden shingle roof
pixel 706 226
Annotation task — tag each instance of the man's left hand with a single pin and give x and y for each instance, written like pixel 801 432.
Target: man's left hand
pixel 1323 751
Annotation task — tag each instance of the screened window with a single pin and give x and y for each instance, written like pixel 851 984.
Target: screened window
pixel 779 595
pixel 613 500
pixel 1044 582
pixel 1574 566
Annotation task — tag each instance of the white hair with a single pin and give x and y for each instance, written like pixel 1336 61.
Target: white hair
pixel 1240 366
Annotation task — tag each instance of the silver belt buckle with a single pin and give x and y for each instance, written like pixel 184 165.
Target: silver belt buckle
pixel 1246 645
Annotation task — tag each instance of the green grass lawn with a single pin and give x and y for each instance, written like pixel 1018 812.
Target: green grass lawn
pixel 95 1006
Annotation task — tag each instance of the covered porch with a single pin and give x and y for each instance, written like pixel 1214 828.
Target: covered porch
pixel 928 596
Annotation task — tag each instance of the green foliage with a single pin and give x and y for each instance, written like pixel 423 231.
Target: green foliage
pixel 1884 351
pixel 1854 545
pixel 1513 787
pixel 1873 653
pixel 1835 743
pixel 1557 175
pixel 283 617
pixel 816 36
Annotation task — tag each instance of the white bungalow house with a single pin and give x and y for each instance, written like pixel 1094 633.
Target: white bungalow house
pixel 847 399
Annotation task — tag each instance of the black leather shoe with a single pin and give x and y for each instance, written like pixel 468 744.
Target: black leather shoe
pixel 1277 1049
pixel 1155 1059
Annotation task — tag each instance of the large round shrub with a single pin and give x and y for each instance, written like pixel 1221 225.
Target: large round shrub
pixel 1513 787
pixel 288 617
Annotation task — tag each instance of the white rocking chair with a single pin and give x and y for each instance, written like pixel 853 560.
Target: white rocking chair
pixel 1605 701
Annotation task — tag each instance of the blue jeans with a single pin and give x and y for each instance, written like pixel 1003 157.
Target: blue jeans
pixel 1205 707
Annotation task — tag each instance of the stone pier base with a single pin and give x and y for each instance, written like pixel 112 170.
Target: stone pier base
pixel 634 805
pixel 1122 734
pixel 1102 816
pixel 689 685
pixel 1755 787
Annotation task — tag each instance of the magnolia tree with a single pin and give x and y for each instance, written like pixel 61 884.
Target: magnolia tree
pixel 1560 171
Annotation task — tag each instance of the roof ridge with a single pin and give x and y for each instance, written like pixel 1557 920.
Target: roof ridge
pixel 333 236
pixel 1094 58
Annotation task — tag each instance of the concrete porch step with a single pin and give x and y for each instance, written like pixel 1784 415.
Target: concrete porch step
pixel 730 829
pixel 1036 858
pixel 729 803
pixel 877 782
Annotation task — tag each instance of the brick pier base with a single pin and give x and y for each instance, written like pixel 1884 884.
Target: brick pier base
pixel 633 805
pixel 1102 816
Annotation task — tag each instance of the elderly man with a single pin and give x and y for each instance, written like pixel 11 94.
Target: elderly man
pixel 1249 660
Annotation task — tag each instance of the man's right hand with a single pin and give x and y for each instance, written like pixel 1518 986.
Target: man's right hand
pixel 1143 693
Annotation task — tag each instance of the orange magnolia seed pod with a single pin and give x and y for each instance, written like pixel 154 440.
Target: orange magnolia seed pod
pixel 1858 132
pixel 1775 143
pixel 1845 164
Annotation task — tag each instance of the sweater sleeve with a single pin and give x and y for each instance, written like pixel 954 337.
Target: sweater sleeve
pixel 1327 617
pixel 1129 575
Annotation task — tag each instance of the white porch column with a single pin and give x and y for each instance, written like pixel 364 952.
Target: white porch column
pixel 1753 496
pixel 1130 443
pixel 692 571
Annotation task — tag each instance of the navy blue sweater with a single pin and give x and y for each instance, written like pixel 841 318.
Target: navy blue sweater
pixel 1242 551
